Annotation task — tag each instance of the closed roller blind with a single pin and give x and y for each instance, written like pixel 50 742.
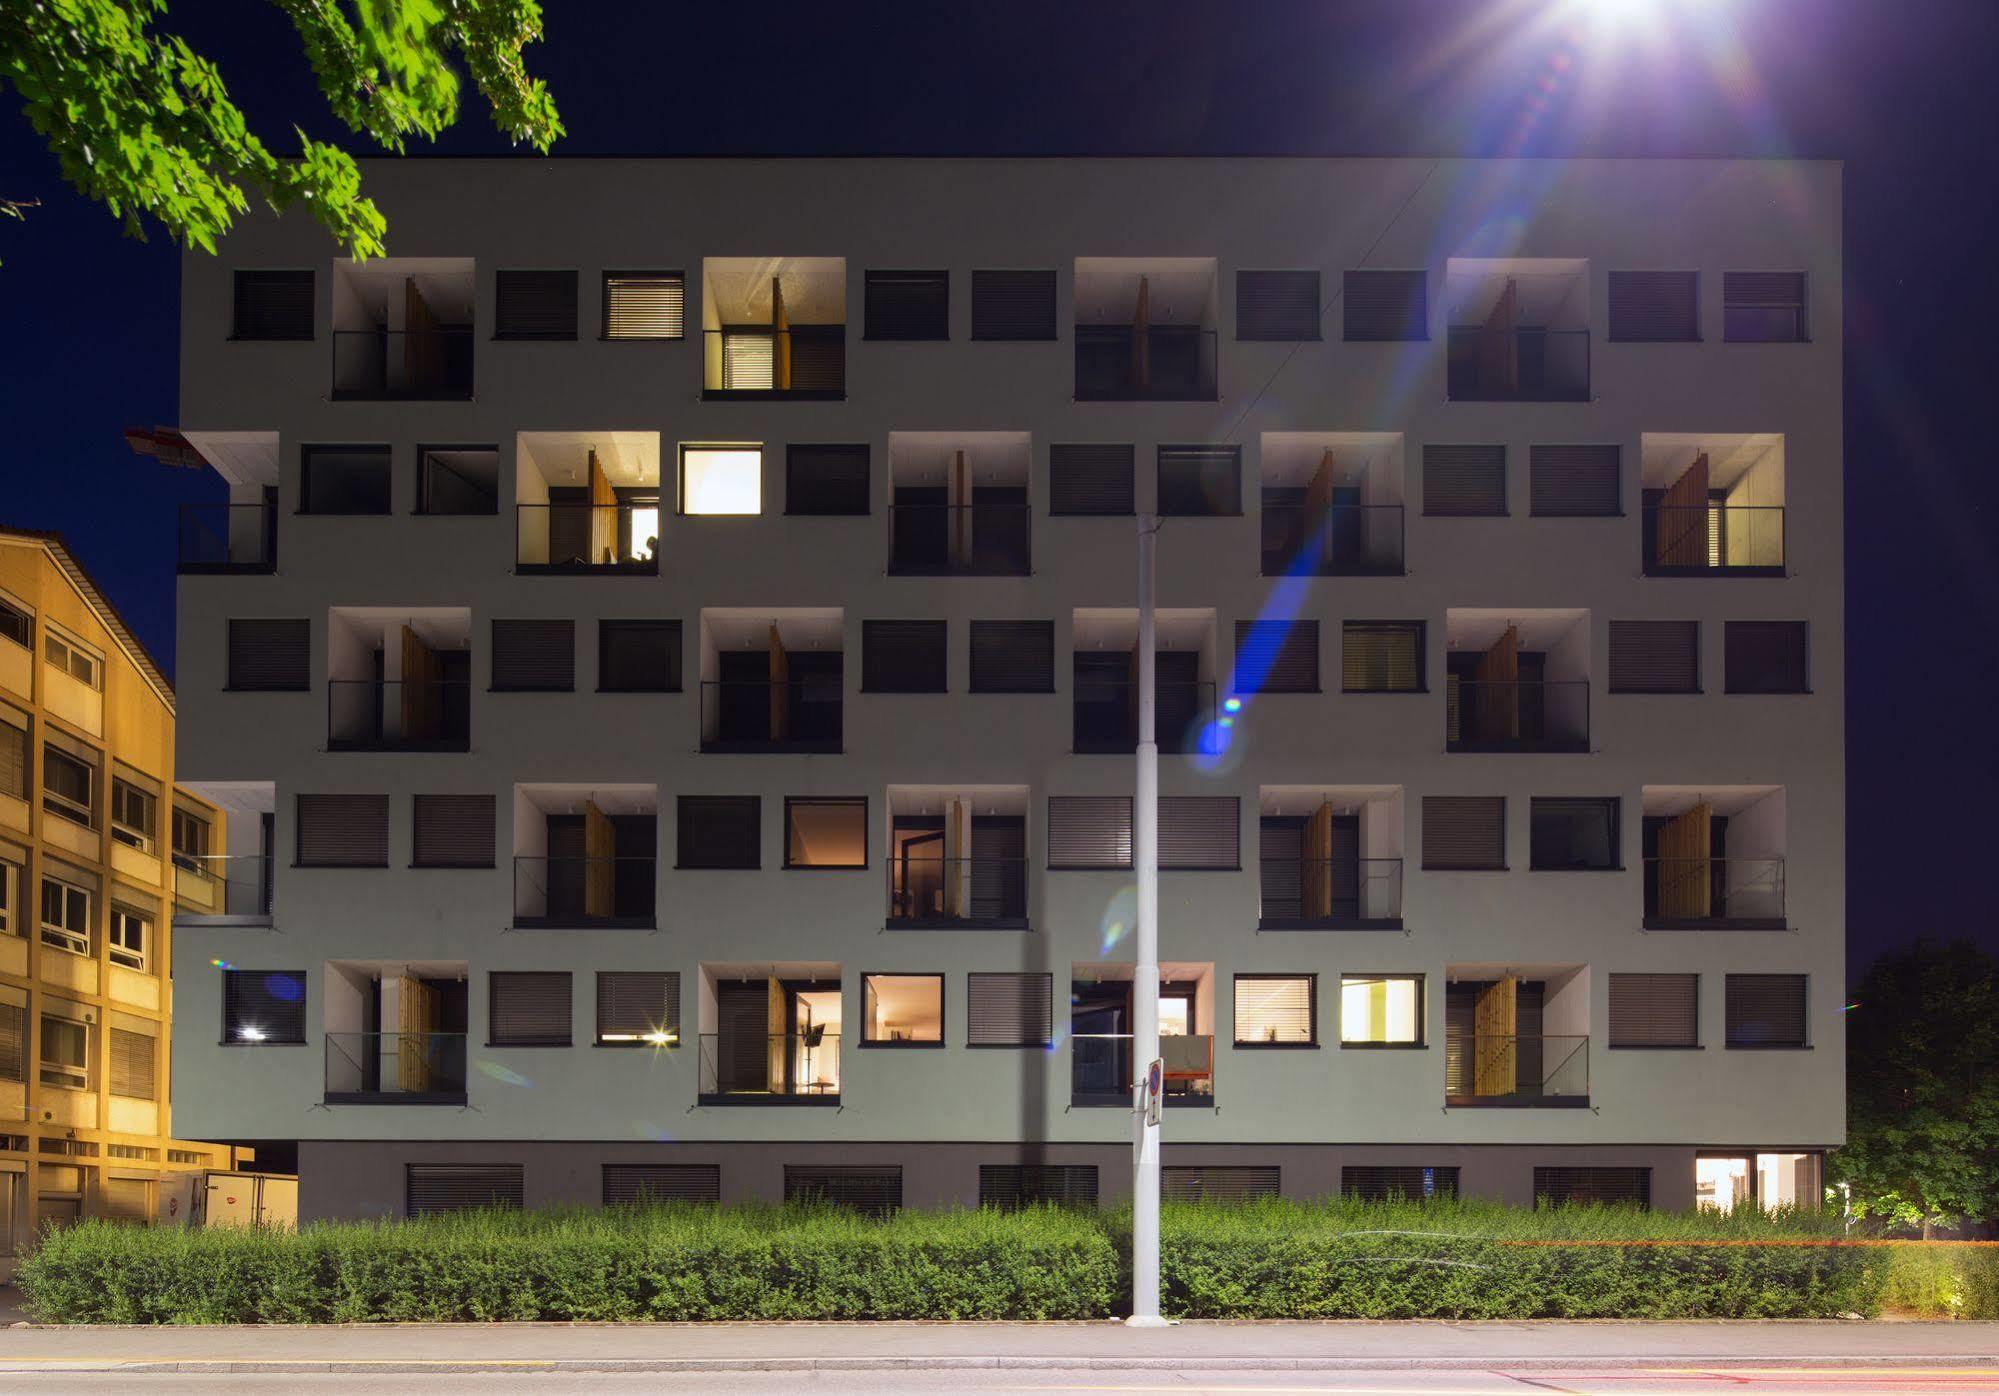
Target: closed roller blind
pixel 1200 832
pixel 1654 306
pixel 133 1057
pixel 1765 656
pixel 13 1042
pixel 1764 307
pixel 1091 478
pixel 645 305
pixel 635 1184
pixel 1381 656
pixel 1577 481
pixel 1009 1010
pixel 456 1187
pixel 1582 1186
pixel 1013 656
pixel 1386 305
pixel 13 753
pixel 128 1200
pixel 826 478
pixel 537 304
pixel 270 654
pixel 529 1009
pixel 637 1004
pixel 861 1187
pixel 343 831
pixel 1276 656
pixel 1010 304
pixel 908 305
pixel 638 656
pixel 1415 1182
pixel 267 1003
pixel 1008 1187
pixel 1089 831
pixel 904 656
pixel 453 831
pixel 273 305
pixel 1655 656
pixel 534 656
pixel 1464 832
pixel 1654 1010
pixel 720 831
pixel 1766 1010
pixel 1277 305
pixel 1464 481
pixel 1218 1183
pixel 1200 480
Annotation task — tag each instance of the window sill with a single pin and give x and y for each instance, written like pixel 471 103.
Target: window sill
pixel 1655 1047
pixel 892 1046
pixel 1383 1046
pixel 1275 1046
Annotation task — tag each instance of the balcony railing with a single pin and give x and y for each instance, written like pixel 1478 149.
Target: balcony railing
pixel 1176 364
pixel 1105 718
pixel 395 1068
pixel 1101 1070
pixel 975 893
pixel 222 889
pixel 583 539
pixel 1714 540
pixel 1550 1071
pixel 799 1068
pixel 1331 894
pixel 227 538
pixel 398 715
pixel 1544 715
pixel 1529 364
pixel 576 893
pixel 958 540
pixel 1341 540
pixel 1720 894
pixel 402 365
pixel 750 364
pixel 764 715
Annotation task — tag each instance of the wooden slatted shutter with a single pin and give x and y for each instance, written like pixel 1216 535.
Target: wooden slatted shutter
pixel 633 1005
pixel 1495 1041
pixel 1381 656
pixel 1767 1010
pixel 1089 831
pixel 638 656
pixel 1681 530
pixel 1764 307
pixel 600 871
pixel 1497 709
pixel 1765 656
pixel 1577 481
pixel 1200 832
pixel 1092 478
pixel 1654 306
pixel 134 1057
pixel 423 344
pixel 1013 656
pixel 1464 481
pixel 1281 305
pixel 457 1187
pixel 1499 346
pixel 826 479
pixel 1010 1009
pixel 1584 1186
pixel 1315 878
pixel 343 831
pixel 1655 656
pixel 638 1184
pixel 530 1008
pixel 1411 1182
pixel 1464 833
pixel 418 1013
pixel 876 1191
pixel 1685 879
pixel 534 656
pixel 267 1003
pixel 1386 305
pixel 453 831
pixel 1654 1010
pixel 1218 1182
pixel 1013 304
pixel 645 305
pixel 904 656
pixel 907 305
pixel 1008 1187
pixel 534 304
pixel 720 831
pixel 273 305
pixel 1200 481
pixel 1276 656
pixel 421 702
pixel 270 655
pixel 603 515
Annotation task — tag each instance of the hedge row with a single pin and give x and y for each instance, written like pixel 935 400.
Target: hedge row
pixel 1269 1259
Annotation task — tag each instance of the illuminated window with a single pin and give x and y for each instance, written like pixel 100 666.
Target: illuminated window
pixel 1381 1010
pixel 638 1008
pixel 903 1009
pixel 721 479
pixel 1274 1010
pixel 826 833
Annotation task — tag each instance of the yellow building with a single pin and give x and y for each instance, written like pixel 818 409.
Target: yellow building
pixel 90 832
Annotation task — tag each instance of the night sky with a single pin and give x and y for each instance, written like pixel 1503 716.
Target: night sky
pixel 1901 92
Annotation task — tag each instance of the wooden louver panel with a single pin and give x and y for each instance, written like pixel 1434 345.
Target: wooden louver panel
pixel 422 700
pixel 1497 705
pixel 603 515
pixel 1495 1046
pixel 423 345
pixel 456 1187
pixel 417 1006
pixel 600 869
pixel 1686 885
pixel 1499 346
pixel 1316 865
pixel 1682 520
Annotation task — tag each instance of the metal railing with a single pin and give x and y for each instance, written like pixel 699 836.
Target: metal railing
pixel 398 715
pixel 227 538
pixel 577 893
pixel 1693 539
pixel 1331 892
pixel 747 363
pixel 1101 1065
pixel 1339 540
pixel 582 537
pixel 380 365
pixel 941 893
pixel 795 715
pixel 222 887
pixel 1720 892
pixel 959 540
pixel 395 1068
pixel 1178 364
pixel 749 1067
pixel 1529 364
pixel 1518 715
pixel 1104 717
pixel 1481 1069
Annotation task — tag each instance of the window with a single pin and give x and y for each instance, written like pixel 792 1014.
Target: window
pixel 1276 656
pixel 134 1070
pixel 130 933
pixel 1386 305
pixel 874 1191
pixel 1200 480
pixel 458 480
pixel 1282 305
pixel 1199 832
pixel 68 657
pixel 134 814
pixel 1410 1182
pixel 430 1188
pixel 1381 656
pixel 534 656
pixel 13 753
pixel 273 305
pixel 1381 1010
pixel 1276 1010
pixel 1580 1187
pixel 721 831
pixel 1575 482
pixel 1089 831
pixel 263 1006
pixel 529 1009
pixel 69 785
pixel 1464 481
pixel 1217 1182
pixel 1009 1009
pixel 1655 656
pixel 190 838
pixel 452 831
pixel 721 479
pixel 641 1184
pixel 1464 833
pixel 1654 1010
pixel 1766 1010
pixel 645 305
pixel 10 898
pixel 66 916
pixel 822 832
pixel 534 304
pixel 1009 304
pixel 1008 1187
pixel 638 656
pixel 638 1008
pixel 270 655
pixel 1013 656
pixel 65 1053
pixel 908 305
pixel 13 1037
pixel 904 656
pixel 1092 478
pixel 1763 307
pixel 902 1010
pixel 826 479
pixel 1765 656
pixel 343 831
pixel 1654 306
pixel 345 480
pixel 16 625
pixel 1573 835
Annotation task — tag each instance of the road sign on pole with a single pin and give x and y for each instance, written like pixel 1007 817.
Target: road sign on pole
pixel 1155 1083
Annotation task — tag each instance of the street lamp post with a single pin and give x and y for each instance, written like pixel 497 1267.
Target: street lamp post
pixel 1145 973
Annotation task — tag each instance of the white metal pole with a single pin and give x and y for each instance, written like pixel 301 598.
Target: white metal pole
pixel 1145 973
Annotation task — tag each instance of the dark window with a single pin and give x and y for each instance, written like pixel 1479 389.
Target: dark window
pixel 1578 1187
pixel 17 625
pixel 1013 304
pixel 1091 478
pixel 1764 307
pixel 636 1184
pixel 904 656
pixel 1655 656
pixel 534 304
pixel 638 656
pixel 1573 481
pixel 1013 656
pixel 1654 1010
pixel 1009 1009
pixel 721 831
pixel 645 305
pixel 1008 1187
pixel 452 831
pixel 1386 305
pixel 459 1187
pixel 1089 831
pixel 1765 656
pixel 133 813
pixel 1200 480
pixel 13 752
pixel 270 655
pixel 908 305
pixel 458 480
pixel 1465 833
pixel 13 1042
pixel 1217 1183
pixel 534 656
pixel 529 1009
pixel 261 1005
pixel 825 831
pixel 345 480
pixel 1276 656
pixel 1200 832
pixel 134 1073
pixel 826 479
pixel 1573 835
pixel 875 1191
pixel 69 781
pixel 1411 1182
pixel 273 305
pixel 343 831
pixel 1277 305
pixel 638 1008
pixel 1766 1010
pixel 1654 306
pixel 1381 656
pixel 1464 481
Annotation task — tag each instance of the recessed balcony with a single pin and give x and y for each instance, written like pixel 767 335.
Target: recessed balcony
pixel 587 504
pixel 774 329
pixel 402 329
pixel 1332 504
pixel 1713 505
pixel 1518 681
pixel 1519 330
pixel 1145 329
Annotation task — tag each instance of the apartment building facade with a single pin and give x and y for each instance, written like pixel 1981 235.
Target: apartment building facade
pixel 668 654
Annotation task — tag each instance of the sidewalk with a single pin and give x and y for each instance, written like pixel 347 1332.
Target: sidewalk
pixel 945 1346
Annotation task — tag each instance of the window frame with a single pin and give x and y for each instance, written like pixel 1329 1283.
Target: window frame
pixel 238 1038
pixel 61 805
pixel 905 1044
pixel 680 846
pixel 1802 310
pixel 1616 840
pixel 608 626
pixel 680 481
pixel 927 277
pixel 16 616
pixel 11 874
pixel 575 304
pixel 1422 1038
pixel 57 934
pixel 306 452
pixel 236 335
pixel 423 507
pixel 1422 633
pixel 867 835
pixel 144 838
pixel 1729 685
pixel 124 920
pixel 604 335
pixel 1238 1041
pixel 77 1076
pixel 636 1040
pixel 73 652
pixel 495 978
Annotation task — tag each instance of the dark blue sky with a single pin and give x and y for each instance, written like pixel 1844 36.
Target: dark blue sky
pixel 1901 92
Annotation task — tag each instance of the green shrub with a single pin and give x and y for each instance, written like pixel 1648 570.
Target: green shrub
pixel 1941 1280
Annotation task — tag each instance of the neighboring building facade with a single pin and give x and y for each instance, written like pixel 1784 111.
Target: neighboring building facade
pixel 90 828
pixel 672 633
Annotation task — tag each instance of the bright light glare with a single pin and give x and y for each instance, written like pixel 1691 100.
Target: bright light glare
pixel 250 1034
pixel 721 480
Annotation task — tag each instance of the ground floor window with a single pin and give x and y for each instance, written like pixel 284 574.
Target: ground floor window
pixel 1770 1181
